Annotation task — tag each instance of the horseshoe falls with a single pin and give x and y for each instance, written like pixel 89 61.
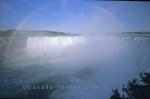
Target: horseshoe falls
pixel 65 67
pixel 45 42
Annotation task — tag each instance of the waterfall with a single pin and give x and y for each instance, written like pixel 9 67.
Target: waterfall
pixel 139 47
pixel 61 41
pixel 76 60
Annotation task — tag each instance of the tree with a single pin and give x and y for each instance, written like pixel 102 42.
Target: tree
pixel 134 89
pixel 116 94
pixel 145 78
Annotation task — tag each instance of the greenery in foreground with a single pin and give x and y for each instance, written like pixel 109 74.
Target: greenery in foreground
pixel 134 89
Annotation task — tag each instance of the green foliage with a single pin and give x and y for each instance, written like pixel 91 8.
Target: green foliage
pixel 145 78
pixel 134 90
pixel 116 95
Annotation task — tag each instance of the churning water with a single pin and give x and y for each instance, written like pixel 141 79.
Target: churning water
pixel 75 67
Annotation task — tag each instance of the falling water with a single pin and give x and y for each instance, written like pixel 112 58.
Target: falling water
pixel 104 61
pixel 41 42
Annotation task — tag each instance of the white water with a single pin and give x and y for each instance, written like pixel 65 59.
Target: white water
pixel 106 62
pixel 44 42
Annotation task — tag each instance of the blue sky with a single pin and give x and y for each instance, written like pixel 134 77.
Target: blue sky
pixel 79 16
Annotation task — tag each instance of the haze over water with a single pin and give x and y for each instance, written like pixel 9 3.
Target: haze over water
pixel 111 46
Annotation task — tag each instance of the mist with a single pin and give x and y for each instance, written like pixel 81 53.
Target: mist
pixel 110 47
pixel 92 66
